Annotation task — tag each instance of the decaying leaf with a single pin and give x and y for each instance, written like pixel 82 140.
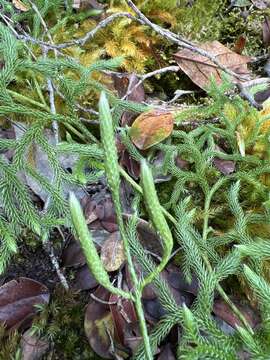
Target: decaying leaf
pixel 223 311
pixel 266 31
pixel 20 5
pixel 123 314
pixel 112 252
pixel 125 83
pixel 166 353
pixel 261 4
pixel 226 167
pixel 18 299
pixel 151 128
pixel 98 324
pixel 84 280
pixel 200 69
pixel 32 347
pixel 239 45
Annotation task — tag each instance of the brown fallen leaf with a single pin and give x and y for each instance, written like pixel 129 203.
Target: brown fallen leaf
pixel 123 83
pixel 166 353
pixel 84 280
pixel 112 252
pixel 261 4
pixel 266 31
pixel 239 45
pixel 98 324
pixel 200 69
pixel 226 167
pixel 20 5
pixel 32 347
pixel 123 314
pixel 18 299
pixel 223 311
pixel 151 128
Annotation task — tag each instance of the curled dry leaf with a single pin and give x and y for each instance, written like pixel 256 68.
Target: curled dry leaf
pixel 18 299
pixel 200 69
pixel 112 252
pixel 151 128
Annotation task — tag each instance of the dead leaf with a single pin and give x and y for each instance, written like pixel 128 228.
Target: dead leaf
pixel 112 252
pixel 98 324
pixel 18 299
pixel 100 207
pixel 72 255
pixel 239 45
pixel 123 83
pixel 84 280
pixel 32 347
pixel 19 5
pixel 123 314
pixel 266 31
pixel 39 160
pixel 166 353
pixel 261 4
pixel 151 128
pixel 200 69
pixel 226 167
pixel 223 311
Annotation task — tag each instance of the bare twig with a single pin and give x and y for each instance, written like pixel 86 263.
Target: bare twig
pixel 49 250
pixel 82 40
pixel 55 127
pixel 173 68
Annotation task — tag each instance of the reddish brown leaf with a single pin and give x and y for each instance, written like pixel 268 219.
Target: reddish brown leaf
pixel 226 167
pixel 18 299
pixel 151 127
pixel 261 4
pixel 266 31
pixel 98 324
pixel 123 314
pixel 112 252
pixel 223 311
pixel 200 69
pixel 239 45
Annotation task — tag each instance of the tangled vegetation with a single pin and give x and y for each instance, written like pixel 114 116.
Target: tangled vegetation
pixel 210 210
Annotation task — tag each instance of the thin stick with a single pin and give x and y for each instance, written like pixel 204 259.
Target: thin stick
pixel 82 40
pixel 173 68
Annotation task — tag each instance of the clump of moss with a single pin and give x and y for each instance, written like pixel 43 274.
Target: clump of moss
pixel 62 323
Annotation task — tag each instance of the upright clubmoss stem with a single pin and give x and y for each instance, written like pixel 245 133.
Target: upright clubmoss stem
pixel 113 178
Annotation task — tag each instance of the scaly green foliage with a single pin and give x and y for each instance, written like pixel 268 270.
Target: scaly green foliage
pixel 205 239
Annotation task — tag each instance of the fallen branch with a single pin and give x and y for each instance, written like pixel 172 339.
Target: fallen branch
pixel 82 40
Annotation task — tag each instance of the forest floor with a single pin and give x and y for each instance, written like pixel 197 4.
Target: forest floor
pixel 198 72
